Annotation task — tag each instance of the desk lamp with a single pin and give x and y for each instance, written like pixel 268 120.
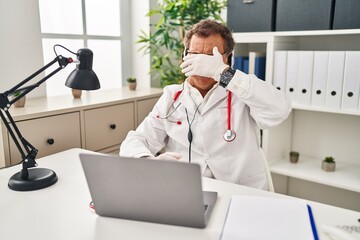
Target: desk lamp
pixel 83 78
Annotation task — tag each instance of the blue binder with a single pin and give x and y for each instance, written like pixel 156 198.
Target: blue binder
pixel 260 66
pixel 241 63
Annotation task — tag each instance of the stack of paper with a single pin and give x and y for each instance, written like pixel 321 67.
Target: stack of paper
pixel 251 217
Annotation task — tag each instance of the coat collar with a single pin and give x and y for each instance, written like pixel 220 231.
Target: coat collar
pixel 217 95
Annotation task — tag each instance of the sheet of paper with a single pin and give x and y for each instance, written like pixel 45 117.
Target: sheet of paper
pixel 252 217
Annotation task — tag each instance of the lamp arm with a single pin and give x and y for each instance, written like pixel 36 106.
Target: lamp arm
pixel 63 62
pixel 28 158
pixel 28 152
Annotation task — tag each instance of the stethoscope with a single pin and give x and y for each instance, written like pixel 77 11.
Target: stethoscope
pixel 229 134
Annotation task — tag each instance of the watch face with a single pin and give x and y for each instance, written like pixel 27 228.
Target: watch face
pixel 226 77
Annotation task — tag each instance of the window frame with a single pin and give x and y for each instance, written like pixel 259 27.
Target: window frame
pixel 124 38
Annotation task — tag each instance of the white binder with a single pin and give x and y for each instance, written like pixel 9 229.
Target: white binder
pixel 279 76
pixel 335 79
pixel 306 62
pixel 351 87
pixel 292 68
pixel 318 92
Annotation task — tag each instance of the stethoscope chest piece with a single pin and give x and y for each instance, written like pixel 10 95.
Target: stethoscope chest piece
pixel 229 135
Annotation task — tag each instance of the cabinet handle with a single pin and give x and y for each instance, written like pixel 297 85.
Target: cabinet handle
pixel 333 93
pixel 304 91
pixel 248 1
pixel 350 94
pixel 113 126
pixel 50 141
pixel 318 92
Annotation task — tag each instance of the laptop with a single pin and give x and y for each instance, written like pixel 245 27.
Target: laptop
pixel 158 191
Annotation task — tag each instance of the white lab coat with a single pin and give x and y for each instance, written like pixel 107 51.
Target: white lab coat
pixel 255 104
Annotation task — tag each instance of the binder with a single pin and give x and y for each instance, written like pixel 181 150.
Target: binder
pixel 335 79
pixel 351 84
pixel 279 76
pixel 292 67
pixel 318 91
pixel 254 217
pixel 241 63
pixel 306 62
pixel 238 63
pixel 257 62
pixel 246 65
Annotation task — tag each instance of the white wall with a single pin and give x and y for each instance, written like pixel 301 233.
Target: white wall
pixel 20 48
pixel 20 44
pixel 139 21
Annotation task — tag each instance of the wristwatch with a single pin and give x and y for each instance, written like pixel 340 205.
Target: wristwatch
pixel 226 76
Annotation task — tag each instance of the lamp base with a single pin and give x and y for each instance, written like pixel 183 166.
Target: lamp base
pixel 38 178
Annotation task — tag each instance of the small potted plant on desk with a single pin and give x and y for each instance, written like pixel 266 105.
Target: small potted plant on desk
pixel 328 164
pixel 132 83
pixel 21 102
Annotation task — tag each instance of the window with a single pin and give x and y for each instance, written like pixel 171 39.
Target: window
pixel 85 23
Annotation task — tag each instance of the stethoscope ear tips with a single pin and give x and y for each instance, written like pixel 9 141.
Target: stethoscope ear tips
pixel 177 122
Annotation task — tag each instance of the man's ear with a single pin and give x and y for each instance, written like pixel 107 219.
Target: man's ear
pixel 229 59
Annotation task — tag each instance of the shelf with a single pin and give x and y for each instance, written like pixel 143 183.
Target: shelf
pixel 322 109
pixel 346 176
pixel 39 107
pixel 268 35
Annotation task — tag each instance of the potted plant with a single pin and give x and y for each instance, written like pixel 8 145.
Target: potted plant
pixel 76 92
pixel 165 42
pixel 328 164
pixel 21 102
pixel 294 156
pixel 132 83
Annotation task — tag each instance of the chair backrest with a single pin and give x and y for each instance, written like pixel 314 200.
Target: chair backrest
pixel 268 173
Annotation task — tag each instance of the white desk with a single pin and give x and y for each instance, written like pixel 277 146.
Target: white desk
pixel 62 210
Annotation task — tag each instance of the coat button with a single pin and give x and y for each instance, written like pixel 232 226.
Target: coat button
pixel 201 119
pixel 206 156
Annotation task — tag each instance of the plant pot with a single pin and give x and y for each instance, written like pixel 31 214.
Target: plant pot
pixel 294 157
pixel 328 167
pixel 20 103
pixel 132 86
pixel 76 93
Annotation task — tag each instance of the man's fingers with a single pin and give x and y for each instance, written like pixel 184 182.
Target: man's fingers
pixel 174 154
pixel 187 69
pixel 170 156
pixel 216 51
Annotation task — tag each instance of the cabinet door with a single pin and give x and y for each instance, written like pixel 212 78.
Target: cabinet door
pixel 108 126
pixel 144 107
pixel 49 135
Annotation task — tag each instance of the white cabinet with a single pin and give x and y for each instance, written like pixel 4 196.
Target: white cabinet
pixel 98 121
pixel 108 126
pixel 315 132
pixel 143 108
pixel 49 134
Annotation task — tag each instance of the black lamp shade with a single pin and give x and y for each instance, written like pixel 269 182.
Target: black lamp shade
pixel 83 77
